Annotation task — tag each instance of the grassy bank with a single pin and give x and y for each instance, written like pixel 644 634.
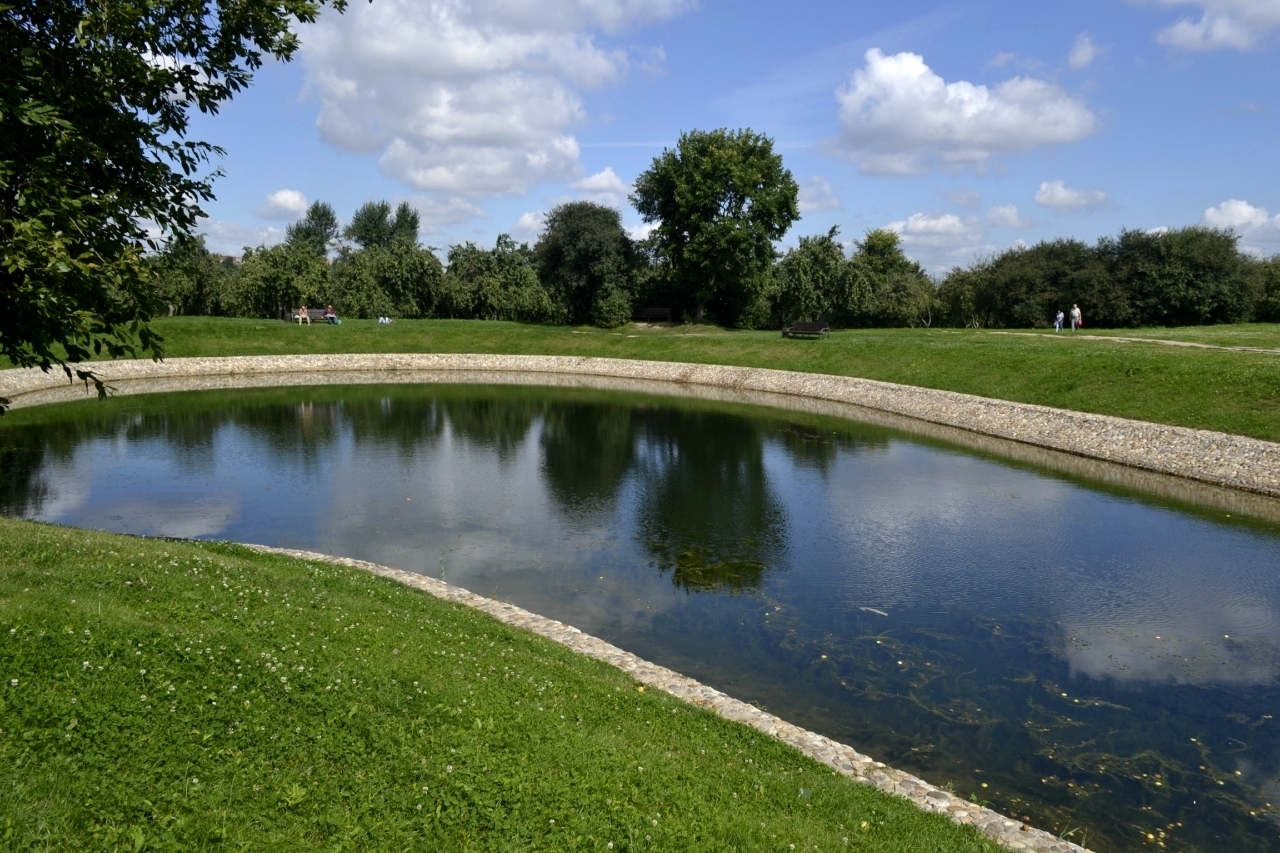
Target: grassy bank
pixel 1232 392
pixel 171 695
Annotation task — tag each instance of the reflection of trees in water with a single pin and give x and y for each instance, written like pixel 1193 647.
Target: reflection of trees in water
pixel 706 509
pixel 817 448
pixel 492 422
pixel 22 458
pixel 587 452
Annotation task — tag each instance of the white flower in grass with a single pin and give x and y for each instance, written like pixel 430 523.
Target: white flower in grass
pixel 13 682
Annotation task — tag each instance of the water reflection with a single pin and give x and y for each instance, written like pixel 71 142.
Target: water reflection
pixel 1078 656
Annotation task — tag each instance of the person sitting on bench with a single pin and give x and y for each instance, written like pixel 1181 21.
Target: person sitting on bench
pixel 330 316
pixel 303 315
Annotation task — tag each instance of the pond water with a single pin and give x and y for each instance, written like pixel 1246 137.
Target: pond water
pixel 1102 663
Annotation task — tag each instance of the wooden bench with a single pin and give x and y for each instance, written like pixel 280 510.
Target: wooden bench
pixel 807 330
pixel 315 315
pixel 651 315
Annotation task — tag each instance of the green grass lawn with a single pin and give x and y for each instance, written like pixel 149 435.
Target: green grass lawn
pixel 163 695
pixel 1228 391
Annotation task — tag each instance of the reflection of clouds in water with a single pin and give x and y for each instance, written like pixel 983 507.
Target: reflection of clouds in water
pixel 1141 653
pixel 202 519
pixel 487 520
pixel 917 528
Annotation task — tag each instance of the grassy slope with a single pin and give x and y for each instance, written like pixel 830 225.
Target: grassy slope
pixel 168 695
pixel 1227 391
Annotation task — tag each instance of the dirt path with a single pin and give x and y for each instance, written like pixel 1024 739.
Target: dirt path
pixel 1192 344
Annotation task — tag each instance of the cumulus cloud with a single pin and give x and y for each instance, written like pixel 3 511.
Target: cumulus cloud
pixel 1059 196
pixel 898 117
pixel 435 211
pixel 230 238
pixel 529 226
pixel 941 240
pixel 969 199
pixel 603 188
pixel 468 97
pixel 1259 231
pixel 817 194
pixel 1083 52
pixel 282 206
pixel 1238 24
pixel 1007 216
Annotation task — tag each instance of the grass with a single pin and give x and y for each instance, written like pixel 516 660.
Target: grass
pixel 1235 392
pixel 162 695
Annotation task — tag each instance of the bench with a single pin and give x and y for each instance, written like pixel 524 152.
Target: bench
pixel 315 315
pixel 651 315
pixel 807 330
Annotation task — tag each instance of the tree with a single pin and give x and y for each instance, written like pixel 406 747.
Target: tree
pixel 396 280
pixel 587 262
pixel 317 232
pixel 809 279
pixel 271 281
pixel 494 284
pixel 95 97
pixel 188 279
pixel 888 289
pixel 718 202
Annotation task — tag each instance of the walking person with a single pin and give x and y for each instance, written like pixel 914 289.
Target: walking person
pixel 1058 321
pixel 1077 319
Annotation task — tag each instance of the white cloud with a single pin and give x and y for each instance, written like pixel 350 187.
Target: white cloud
pixel 282 206
pixel 641 231
pixel 435 211
pixel 1059 196
pixel 468 97
pixel 941 240
pixel 1238 24
pixel 1006 216
pixel 817 194
pixel 230 238
pixel 1084 52
pixel 529 226
pixel 968 199
pixel 603 188
pixel 899 117
pixel 1259 231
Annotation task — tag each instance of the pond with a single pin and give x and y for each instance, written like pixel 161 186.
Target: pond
pixel 1100 662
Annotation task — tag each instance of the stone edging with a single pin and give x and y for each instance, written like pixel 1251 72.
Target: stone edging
pixel 1005 831
pixel 1217 458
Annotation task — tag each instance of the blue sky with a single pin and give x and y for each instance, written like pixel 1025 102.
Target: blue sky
pixel 965 126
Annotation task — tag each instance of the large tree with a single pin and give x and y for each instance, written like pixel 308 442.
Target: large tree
pixel 718 202
pixel 588 263
pixel 95 97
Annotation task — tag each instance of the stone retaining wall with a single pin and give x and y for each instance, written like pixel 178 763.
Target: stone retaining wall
pixel 1235 462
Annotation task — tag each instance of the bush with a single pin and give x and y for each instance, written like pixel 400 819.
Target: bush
pixel 496 284
pixel 587 263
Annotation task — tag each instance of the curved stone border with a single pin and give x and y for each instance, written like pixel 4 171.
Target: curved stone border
pixel 839 757
pixel 1211 457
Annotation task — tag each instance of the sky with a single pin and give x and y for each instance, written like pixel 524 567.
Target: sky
pixel 967 127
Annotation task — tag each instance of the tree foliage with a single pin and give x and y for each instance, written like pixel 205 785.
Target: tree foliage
pixel 398 279
pixel 718 202
pixel 316 232
pixel 188 279
pixel 95 97
pixel 495 284
pixel 375 226
pixel 588 263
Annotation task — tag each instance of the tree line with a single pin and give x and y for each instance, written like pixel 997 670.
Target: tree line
pixel 718 204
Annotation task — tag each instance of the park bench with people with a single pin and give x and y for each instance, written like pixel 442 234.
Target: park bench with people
pixel 314 315
pixel 807 330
